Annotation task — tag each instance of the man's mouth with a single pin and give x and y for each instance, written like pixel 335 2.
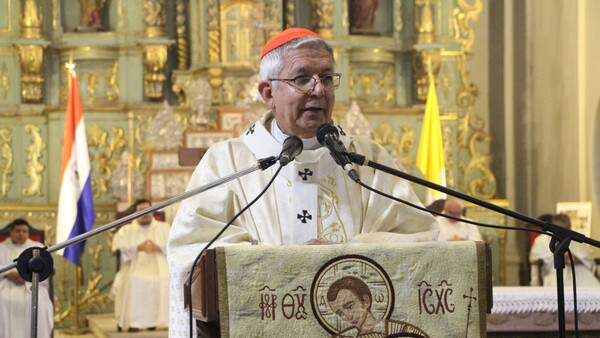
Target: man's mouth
pixel 313 110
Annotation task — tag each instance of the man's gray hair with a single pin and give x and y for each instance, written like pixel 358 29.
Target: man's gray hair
pixel 271 63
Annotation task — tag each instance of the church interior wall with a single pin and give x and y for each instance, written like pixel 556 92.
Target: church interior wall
pixel 534 65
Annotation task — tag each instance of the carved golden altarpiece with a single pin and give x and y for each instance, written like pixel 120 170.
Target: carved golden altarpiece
pixel 158 76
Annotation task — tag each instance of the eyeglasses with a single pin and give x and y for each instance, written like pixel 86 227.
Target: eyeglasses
pixel 306 84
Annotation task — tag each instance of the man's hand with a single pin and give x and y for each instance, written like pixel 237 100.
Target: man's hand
pixel 14 277
pixel 149 247
pixel 456 237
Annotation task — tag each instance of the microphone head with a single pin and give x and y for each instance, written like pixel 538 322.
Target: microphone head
pixel 325 130
pixel 292 147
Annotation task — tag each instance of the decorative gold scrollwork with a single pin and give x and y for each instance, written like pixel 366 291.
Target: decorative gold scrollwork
pixel 463 15
pixel 376 85
pixel 65 306
pixel 6 154
pixel 112 93
pixel 107 157
pixel 478 179
pixel 34 167
pixel 4 81
pixel 400 147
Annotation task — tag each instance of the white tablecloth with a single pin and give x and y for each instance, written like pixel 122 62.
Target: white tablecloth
pixel 530 308
pixel 543 299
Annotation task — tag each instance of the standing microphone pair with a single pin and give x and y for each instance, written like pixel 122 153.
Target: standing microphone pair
pixel 328 136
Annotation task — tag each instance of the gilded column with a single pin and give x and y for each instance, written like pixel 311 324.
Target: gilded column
pixel 425 61
pixel 31 21
pixel 155 61
pixel 290 13
pixel 182 43
pixel 427 58
pixel 322 17
pixel 31 53
pixel 155 18
pixel 155 48
pixel 424 26
pixel 214 49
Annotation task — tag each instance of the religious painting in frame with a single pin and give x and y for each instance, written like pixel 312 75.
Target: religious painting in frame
pixel 580 214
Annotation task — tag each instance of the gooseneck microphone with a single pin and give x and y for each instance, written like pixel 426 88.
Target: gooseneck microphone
pixel 328 136
pixel 292 147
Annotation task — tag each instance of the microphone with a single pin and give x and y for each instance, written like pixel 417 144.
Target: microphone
pixel 292 147
pixel 328 136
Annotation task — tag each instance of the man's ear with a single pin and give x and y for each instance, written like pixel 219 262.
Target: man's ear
pixel 265 89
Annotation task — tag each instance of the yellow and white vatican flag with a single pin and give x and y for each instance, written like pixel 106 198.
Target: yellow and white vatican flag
pixel 430 156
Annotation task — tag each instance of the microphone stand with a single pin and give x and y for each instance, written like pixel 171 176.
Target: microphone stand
pixel 561 237
pixel 35 264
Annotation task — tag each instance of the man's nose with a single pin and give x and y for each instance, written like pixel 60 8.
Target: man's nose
pixel 318 88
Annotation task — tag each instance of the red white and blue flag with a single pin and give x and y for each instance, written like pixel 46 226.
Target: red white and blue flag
pixel 76 204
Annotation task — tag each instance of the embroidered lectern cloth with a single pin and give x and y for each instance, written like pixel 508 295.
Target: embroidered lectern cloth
pixel 429 289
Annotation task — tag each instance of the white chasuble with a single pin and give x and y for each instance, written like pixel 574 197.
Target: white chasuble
pixel 307 193
pixel 311 198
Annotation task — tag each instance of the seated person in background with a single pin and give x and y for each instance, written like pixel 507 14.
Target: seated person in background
pixel 141 286
pixel 312 201
pixel 437 206
pixel 582 259
pixel 532 235
pixel 15 292
pixel 452 230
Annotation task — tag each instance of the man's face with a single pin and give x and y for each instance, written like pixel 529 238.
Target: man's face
pixel 147 218
pixel 298 113
pixel 19 234
pixel 352 309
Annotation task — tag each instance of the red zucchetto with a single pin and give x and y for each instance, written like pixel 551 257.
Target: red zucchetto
pixel 286 36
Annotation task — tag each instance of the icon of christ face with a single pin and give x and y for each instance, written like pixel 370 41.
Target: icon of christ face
pixel 351 308
pixel 350 298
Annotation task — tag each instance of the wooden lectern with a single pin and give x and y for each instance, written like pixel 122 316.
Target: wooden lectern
pixel 428 289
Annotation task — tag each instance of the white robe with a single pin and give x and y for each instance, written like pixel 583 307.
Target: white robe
pixel 15 300
pixel 448 230
pixel 312 197
pixel 141 286
pixel 541 250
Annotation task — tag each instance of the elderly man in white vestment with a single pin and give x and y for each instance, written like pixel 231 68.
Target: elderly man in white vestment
pixel 312 201
pixel 15 292
pixel 141 286
pixel 582 258
pixel 453 230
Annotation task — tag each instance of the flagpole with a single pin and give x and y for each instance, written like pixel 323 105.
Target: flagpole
pixel 76 328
